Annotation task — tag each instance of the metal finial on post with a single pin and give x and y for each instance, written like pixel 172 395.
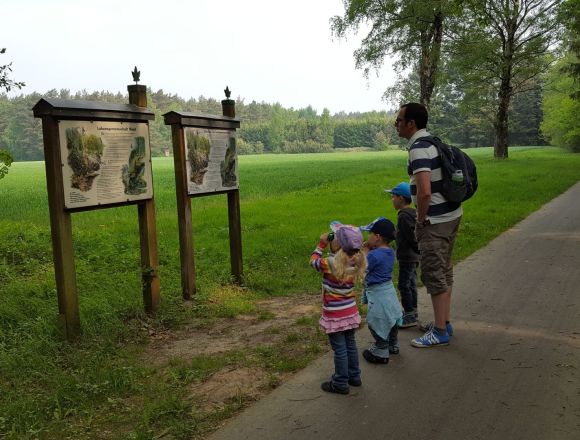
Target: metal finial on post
pixel 136 74
pixel 228 105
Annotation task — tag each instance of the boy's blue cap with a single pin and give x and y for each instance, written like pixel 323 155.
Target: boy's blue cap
pixel 402 189
pixel 371 224
pixel 383 227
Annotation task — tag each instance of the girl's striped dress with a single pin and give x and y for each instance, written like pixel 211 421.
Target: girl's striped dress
pixel 339 309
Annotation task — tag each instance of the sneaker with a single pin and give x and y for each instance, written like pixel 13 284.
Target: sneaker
pixel 429 326
pixel 355 382
pixel 430 339
pixel 409 320
pixel 394 350
pixel 329 387
pixel 373 359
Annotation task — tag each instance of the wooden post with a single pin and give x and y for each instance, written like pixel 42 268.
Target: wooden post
pixel 147 227
pixel 184 222
pixel 235 225
pixel 61 232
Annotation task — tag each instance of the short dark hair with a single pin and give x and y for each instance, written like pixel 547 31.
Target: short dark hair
pixel 408 200
pixel 416 112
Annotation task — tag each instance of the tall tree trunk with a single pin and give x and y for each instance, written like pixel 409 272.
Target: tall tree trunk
pixel 430 56
pixel 504 95
pixel 500 150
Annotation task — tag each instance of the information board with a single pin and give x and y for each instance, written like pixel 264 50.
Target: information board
pixel 211 160
pixel 105 162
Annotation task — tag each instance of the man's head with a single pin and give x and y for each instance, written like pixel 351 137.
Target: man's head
pixel 412 117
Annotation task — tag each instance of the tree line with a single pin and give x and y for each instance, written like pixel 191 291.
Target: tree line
pixel 272 128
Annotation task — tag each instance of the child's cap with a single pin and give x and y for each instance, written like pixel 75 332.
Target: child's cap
pixel 349 237
pixel 402 189
pixel 383 227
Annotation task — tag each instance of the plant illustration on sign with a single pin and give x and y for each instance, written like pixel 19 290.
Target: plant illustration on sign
pixel 84 157
pixel 134 171
pixel 228 165
pixel 198 156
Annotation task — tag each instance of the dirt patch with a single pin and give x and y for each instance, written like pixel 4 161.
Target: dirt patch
pixel 229 384
pixel 273 322
pixel 227 334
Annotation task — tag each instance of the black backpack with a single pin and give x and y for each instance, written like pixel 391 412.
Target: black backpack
pixel 459 174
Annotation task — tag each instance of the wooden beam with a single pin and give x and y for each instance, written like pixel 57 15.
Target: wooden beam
pixel 147 228
pixel 184 222
pixel 61 232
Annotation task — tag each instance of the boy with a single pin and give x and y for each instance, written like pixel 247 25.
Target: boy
pixel 407 252
pixel 384 309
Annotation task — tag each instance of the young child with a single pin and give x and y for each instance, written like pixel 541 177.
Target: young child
pixel 407 252
pixel 341 268
pixel 384 309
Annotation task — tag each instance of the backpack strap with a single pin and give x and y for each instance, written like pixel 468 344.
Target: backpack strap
pixel 442 148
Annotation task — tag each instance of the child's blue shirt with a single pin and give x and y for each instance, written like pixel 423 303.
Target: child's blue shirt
pixel 380 264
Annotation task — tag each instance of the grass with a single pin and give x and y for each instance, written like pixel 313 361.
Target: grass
pixel 99 387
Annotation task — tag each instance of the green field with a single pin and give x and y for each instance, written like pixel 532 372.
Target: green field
pixel 286 202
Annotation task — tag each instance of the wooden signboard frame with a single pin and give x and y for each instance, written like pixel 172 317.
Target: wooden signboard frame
pixel 51 111
pixel 180 121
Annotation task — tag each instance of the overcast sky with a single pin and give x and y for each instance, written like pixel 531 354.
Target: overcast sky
pixel 264 50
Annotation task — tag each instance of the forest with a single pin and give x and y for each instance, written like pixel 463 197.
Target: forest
pixel 271 128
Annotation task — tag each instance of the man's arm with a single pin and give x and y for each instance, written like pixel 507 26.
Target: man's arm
pixel 423 183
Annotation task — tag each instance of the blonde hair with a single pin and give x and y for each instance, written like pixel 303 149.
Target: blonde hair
pixel 346 265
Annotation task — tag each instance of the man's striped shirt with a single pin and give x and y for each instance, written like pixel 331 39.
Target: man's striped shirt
pixel 423 156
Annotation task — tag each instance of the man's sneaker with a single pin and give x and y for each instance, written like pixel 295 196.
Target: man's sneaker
pixel 373 359
pixel 430 339
pixel 430 325
pixel 409 320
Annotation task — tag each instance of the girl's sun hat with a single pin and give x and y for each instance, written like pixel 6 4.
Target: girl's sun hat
pixel 349 237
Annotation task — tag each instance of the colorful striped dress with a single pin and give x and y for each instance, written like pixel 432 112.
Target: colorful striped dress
pixel 339 309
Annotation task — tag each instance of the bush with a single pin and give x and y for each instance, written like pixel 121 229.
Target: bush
pixel 308 146
pixel 244 147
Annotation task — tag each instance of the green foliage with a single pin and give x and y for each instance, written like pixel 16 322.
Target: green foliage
pixel 409 30
pixel 570 17
pixel 501 50
pixel 561 123
pixel 6 82
pixel 5 162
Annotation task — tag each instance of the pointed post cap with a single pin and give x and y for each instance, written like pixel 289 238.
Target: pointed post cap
pixel 136 75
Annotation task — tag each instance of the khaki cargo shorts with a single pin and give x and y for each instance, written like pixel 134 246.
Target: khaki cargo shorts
pixel 436 246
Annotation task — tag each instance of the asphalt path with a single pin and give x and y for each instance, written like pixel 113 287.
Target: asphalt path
pixel 512 370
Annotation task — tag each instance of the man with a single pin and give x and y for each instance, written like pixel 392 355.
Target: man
pixel 437 222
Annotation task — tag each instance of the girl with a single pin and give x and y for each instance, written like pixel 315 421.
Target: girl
pixel 341 268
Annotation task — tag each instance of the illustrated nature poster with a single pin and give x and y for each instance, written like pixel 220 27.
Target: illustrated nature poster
pixel 211 160
pixel 105 162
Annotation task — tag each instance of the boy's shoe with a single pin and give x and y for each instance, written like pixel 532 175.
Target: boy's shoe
pixel 370 357
pixel 330 388
pixel 430 325
pixel 409 320
pixel 355 382
pixel 430 339
pixel 394 350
